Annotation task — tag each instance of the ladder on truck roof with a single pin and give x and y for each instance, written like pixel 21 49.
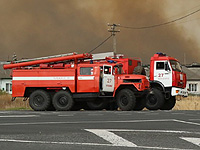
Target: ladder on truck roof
pixel 48 59
pixel 40 58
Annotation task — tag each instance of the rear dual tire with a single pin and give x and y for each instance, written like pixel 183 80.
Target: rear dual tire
pixel 40 100
pixel 155 100
pixel 63 101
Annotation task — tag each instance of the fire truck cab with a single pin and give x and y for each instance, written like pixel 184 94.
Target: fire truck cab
pixel 167 80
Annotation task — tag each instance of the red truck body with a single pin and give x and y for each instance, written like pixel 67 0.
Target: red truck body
pixel 62 80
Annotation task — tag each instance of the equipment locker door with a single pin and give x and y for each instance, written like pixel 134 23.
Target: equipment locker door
pixel 108 79
pixel 86 79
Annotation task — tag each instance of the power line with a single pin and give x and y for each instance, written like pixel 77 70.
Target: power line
pixel 161 24
pixel 100 44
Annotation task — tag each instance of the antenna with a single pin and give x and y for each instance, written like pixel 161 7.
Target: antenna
pixel 113 33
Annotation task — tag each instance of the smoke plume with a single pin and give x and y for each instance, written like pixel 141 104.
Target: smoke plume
pixel 35 28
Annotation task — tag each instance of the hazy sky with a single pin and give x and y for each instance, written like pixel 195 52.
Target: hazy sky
pixel 35 28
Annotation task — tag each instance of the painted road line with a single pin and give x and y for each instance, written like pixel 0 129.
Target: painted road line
pixel 186 122
pixel 84 122
pixel 195 141
pixel 157 131
pixel 51 142
pixel 19 116
pixel 116 140
pixel 112 138
pixel 85 144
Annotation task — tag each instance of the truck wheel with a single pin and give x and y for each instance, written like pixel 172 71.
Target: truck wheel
pixel 39 100
pixel 126 100
pixel 97 104
pixel 140 104
pixel 63 101
pixel 169 104
pixel 155 100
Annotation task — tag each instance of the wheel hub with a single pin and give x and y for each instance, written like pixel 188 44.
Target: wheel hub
pixel 63 101
pixel 38 100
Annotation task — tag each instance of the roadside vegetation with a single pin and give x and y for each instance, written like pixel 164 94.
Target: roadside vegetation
pixel 7 104
pixel 192 102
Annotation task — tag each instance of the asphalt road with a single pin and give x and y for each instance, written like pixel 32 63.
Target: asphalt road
pixel 104 130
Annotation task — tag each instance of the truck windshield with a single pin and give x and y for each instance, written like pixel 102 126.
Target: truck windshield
pixel 176 65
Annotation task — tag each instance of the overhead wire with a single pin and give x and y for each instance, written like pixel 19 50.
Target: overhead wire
pixel 100 44
pixel 151 26
pixel 161 24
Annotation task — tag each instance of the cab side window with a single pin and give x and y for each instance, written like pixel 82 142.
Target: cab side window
pixel 86 71
pixel 160 65
pixel 107 70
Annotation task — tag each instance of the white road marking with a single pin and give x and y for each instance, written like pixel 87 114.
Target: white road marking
pixel 157 131
pixel 112 138
pixel 18 116
pixel 86 144
pixel 51 142
pixel 83 122
pixel 195 141
pixel 186 122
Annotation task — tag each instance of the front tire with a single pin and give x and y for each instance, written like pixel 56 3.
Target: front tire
pixel 155 100
pixel 126 99
pixel 63 101
pixel 39 100
pixel 169 104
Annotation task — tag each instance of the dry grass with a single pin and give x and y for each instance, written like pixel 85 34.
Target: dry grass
pixel 7 104
pixel 188 103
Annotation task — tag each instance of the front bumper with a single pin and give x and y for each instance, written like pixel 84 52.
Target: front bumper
pixel 178 91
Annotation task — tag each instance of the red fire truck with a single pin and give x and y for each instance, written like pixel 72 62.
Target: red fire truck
pixel 63 80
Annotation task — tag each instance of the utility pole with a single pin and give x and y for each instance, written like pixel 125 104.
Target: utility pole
pixel 113 33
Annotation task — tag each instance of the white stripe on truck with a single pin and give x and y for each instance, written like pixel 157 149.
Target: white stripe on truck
pixel 86 78
pixel 45 78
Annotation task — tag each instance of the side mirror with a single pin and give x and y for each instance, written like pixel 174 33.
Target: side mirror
pixel 167 66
